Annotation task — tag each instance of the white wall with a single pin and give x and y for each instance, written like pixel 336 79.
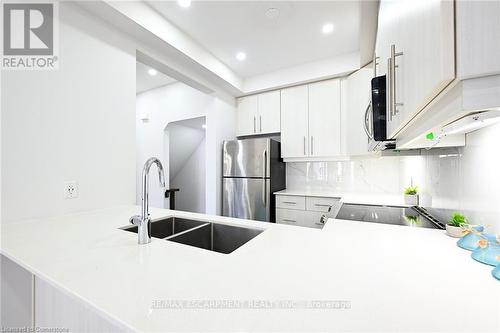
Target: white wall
pixel 178 102
pixel 463 179
pixel 75 123
pixel 187 155
pixel 191 181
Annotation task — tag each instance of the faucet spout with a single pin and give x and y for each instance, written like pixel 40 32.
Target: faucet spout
pixel 143 221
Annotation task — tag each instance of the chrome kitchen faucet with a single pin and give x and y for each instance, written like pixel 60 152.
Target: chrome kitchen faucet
pixel 143 222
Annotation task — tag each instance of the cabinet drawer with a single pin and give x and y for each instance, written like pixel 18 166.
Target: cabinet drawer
pixel 290 202
pixel 299 218
pixel 290 216
pixel 322 204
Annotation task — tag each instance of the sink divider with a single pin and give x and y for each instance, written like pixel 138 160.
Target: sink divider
pixel 188 230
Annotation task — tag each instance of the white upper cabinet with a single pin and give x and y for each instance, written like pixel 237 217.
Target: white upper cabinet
pixel 415 46
pixel 294 122
pixel 269 112
pixel 247 115
pixel 324 118
pixel 356 97
pixel 259 114
pixel 310 120
pixel 478 38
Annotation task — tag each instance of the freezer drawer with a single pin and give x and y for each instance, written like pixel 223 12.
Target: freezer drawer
pixel 247 198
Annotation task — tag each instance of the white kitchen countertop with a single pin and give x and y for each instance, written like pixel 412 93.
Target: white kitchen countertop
pixel 354 198
pixel 396 278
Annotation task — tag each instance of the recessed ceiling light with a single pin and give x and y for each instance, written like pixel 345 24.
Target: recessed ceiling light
pixel 184 3
pixel 152 71
pixel 327 28
pixel 241 56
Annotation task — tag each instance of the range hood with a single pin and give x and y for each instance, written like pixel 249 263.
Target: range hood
pixel 464 106
pixel 472 122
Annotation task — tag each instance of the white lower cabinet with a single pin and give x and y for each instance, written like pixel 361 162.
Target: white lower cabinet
pixel 304 211
pixel 301 218
pixel 56 308
pixel 324 205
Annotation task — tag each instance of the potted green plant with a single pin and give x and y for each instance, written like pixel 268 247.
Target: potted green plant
pixel 456 225
pixel 412 220
pixel 411 195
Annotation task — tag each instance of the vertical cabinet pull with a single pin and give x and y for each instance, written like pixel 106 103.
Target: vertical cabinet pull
pixel 394 103
pixel 254 128
pixel 389 92
pixel 260 123
pixel 305 146
pixel 312 145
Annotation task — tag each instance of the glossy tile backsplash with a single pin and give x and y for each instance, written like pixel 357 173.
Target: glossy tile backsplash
pixel 465 179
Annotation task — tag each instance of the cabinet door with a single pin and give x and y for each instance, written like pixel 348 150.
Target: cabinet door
pixel 294 122
pixel 428 48
pixel 423 32
pixel 356 100
pixel 290 216
pixel 478 36
pixel 269 112
pixel 324 118
pixel 389 32
pixel 247 115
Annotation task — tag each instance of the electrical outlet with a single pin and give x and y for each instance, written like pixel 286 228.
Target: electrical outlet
pixel 70 190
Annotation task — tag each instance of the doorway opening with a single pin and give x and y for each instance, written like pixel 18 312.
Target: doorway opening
pixel 187 161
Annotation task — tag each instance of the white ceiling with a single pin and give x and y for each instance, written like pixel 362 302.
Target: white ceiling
pixel 145 82
pixel 292 38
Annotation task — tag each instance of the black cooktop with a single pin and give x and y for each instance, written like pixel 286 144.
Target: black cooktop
pixel 408 216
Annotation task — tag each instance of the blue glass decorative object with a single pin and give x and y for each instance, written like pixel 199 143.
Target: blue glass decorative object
pixel 490 254
pixel 496 272
pixel 469 241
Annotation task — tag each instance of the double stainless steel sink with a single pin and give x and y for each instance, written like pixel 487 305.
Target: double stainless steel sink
pixel 216 237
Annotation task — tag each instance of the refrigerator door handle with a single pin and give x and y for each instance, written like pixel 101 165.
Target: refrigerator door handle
pixel 264 193
pixel 264 165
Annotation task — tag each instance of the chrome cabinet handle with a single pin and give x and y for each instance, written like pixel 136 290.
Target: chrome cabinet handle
pixel 304 145
pixel 260 123
pixel 322 205
pixel 287 220
pixel 367 120
pixel 312 145
pixel 389 93
pixel 395 104
pixel 289 202
pixel 254 127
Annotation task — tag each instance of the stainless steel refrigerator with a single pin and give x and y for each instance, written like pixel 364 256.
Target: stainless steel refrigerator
pixel 252 171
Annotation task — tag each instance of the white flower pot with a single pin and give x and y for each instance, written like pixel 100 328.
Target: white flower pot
pixel 411 199
pixel 456 232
